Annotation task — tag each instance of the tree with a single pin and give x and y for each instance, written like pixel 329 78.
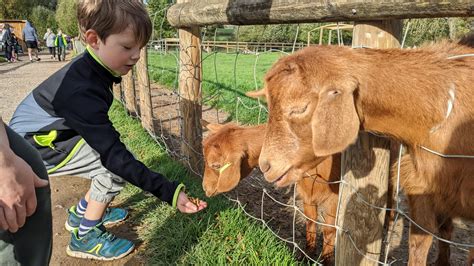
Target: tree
pixel 66 17
pixel 15 9
pixel 161 27
pixel 42 19
pixel 22 9
pixel 426 30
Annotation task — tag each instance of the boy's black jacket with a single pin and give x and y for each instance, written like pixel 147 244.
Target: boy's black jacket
pixel 75 101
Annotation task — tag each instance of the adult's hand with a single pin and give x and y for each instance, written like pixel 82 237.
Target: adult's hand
pixel 186 206
pixel 17 190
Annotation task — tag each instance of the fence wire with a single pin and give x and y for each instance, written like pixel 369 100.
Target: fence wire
pixel 167 132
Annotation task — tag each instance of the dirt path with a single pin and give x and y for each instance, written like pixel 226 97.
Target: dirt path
pixel 19 78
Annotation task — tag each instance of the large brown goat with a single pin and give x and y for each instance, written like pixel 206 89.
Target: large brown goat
pixel 320 97
pixel 231 152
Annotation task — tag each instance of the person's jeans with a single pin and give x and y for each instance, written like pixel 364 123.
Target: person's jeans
pixel 31 244
pixel 8 52
pixel 52 51
pixel 61 53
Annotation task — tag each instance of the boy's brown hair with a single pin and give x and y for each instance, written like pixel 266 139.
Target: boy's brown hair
pixel 108 17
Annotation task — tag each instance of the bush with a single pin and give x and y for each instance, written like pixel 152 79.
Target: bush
pixel 43 18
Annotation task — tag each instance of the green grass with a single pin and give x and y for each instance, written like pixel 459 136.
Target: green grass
pixel 227 75
pixel 222 234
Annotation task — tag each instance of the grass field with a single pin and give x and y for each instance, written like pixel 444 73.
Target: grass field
pixel 227 75
pixel 222 234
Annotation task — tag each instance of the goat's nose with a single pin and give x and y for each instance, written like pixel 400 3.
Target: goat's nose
pixel 264 166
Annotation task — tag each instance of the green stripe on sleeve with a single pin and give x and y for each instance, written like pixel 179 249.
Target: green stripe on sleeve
pixel 176 194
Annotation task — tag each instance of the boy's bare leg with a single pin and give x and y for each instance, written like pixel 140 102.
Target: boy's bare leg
pixel 95 210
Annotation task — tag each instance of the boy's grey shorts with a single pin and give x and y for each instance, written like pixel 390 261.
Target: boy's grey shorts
pixel 86 163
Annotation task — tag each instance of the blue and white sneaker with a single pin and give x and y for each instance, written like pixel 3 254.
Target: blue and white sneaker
pixel 112 216
pixel 98 244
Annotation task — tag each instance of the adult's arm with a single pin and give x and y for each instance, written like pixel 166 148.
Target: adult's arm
pixel 17 186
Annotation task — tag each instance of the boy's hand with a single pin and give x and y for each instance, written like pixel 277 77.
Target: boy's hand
pixel 17 191
pixel 186 206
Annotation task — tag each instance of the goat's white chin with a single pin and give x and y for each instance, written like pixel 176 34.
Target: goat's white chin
pixel 289 178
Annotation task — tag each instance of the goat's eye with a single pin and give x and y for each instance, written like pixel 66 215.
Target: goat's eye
pixel 297 111
pixel 216 166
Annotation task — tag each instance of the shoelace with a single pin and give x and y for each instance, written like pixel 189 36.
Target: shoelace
pixel 107 236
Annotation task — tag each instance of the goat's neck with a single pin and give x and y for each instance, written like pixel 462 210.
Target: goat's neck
pixel 254 137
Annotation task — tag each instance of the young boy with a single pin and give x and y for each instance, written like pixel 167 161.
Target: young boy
pixel 66 119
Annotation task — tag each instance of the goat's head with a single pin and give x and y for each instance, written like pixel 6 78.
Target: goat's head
pixel 225 159
pixel 310 96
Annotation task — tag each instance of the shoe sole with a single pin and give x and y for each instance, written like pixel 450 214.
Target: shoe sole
pixel 82 255
pixel 70 228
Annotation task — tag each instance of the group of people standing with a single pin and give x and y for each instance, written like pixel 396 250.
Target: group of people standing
pixel 56 41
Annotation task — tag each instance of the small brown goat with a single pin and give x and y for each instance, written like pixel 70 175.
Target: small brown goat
pixel 320 97
pixel 231 152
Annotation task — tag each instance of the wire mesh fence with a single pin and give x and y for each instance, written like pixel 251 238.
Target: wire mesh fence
pixel 223 100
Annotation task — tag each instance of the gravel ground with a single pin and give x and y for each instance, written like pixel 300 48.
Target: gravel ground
pixel 19 78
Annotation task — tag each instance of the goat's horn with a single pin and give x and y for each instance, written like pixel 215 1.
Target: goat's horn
pixel 204 123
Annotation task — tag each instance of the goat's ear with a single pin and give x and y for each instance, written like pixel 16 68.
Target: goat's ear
pixel 256 94
pixel 204 123
pixel 213 127
pixel 335 123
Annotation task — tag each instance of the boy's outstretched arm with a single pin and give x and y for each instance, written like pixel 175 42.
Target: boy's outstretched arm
pixel 93 124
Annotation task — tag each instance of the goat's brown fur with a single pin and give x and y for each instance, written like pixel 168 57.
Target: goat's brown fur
pixel 320 97
pixel 229 142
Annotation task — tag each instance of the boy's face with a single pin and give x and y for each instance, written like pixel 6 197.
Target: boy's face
pixel 120 52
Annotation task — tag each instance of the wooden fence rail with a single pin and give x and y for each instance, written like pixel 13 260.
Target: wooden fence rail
pixel 228 46
pixel 258 12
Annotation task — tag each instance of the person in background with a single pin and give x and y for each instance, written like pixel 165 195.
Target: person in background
pixel 32 41
pixel 15 49
pixel 69 42
pixel 50 38
pixel 25 203
pixel 60 43
pixel 7 41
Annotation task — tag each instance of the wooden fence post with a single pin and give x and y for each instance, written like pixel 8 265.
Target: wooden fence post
pixel 144 90
pixel 117 91
pixel 190 90
pixel 128 86
pixel 366 171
